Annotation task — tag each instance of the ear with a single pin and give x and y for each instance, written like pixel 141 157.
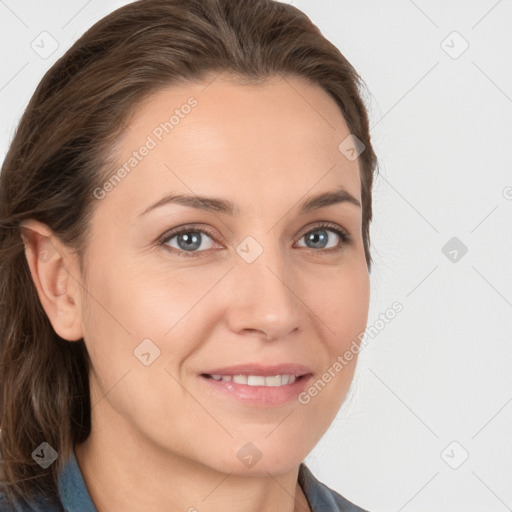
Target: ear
pixel 56 277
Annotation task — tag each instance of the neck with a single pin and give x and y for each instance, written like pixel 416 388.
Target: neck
pixel 145 477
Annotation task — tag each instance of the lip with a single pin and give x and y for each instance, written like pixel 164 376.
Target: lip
pixel 259 369
pixel 259 396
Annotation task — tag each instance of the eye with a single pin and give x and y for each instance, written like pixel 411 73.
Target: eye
pixel 190 240
pixel 319 238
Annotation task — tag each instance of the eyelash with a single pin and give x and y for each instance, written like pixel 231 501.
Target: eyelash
pixel 345 237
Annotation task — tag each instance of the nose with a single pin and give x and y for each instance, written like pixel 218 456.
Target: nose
pixel 265 296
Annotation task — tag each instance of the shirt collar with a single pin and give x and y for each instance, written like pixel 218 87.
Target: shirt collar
pixel 72 489
pixel 318 495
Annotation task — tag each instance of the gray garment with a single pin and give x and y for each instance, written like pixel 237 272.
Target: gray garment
pixel 74 496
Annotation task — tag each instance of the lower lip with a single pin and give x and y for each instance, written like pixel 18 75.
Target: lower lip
pixel 262 396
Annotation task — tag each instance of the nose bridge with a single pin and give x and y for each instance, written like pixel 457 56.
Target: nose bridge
pixel 266 299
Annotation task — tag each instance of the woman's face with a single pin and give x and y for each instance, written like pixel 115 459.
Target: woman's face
pixel 265 288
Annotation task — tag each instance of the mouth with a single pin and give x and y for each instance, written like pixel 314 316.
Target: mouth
pixel 257 385
pixel 257 380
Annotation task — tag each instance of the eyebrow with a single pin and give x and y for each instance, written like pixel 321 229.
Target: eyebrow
pixel 213 204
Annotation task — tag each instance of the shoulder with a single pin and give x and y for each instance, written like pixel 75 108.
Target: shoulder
pixel 321 497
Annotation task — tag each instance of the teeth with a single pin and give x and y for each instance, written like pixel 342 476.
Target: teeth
pixel 257 380
pixel 273 381
pixel 254 380
pixel 240 379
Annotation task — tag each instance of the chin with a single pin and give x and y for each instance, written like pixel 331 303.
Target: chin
pixel 260 459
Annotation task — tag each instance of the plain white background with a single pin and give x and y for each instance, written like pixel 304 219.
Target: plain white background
pixel 427 423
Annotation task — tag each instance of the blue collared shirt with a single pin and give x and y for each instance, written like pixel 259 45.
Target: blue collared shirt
pixel 74 496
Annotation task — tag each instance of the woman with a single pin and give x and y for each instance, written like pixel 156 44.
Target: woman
pixel 185 214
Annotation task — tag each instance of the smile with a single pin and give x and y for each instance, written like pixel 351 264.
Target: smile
pixel 255 390
pixel 257 380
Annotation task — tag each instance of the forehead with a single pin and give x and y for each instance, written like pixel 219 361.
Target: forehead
pixel 221 135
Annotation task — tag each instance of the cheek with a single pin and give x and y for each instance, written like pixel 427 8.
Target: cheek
pixel 341 306
pixel 127 318
pixel 126 305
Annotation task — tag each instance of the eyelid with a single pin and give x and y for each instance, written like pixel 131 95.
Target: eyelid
pixel 181 229
pixel 345 236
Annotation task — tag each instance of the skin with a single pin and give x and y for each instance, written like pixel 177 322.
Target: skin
pixel 161 439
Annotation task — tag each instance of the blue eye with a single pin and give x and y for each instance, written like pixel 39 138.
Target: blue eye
pixel 319 237
pixel 190 240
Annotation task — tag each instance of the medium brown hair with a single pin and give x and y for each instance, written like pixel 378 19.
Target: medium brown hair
pixel 60 154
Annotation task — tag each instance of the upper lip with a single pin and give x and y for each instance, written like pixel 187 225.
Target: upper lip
pixel 259 369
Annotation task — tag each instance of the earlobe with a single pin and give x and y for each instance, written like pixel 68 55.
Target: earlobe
pixel 53 271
